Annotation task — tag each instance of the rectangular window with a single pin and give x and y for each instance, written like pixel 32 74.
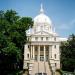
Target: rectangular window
pixel 44 73
pixel 46 38
pixel 55 46
pixel 28 46
pixel 36 58
pixel 41 38
pixel 36 38
pixel 55 56
pixel 41 48
pixel 36 48
pixel 55 39
pixel 55 64
pixel 47 48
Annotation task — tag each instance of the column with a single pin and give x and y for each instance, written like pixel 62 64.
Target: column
pixel 44 53
pixel 50 52
pixel 38 53
pixel 33 53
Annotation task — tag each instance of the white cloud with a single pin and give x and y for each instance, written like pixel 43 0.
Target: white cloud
pixel 63 26
pixel 67 26
pixel 72 22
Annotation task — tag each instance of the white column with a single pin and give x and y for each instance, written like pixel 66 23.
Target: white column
pixel 38 53
pixel 33 53
pixel 44 53
pixel 50 52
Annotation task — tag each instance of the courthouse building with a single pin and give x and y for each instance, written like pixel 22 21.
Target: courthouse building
pixel 42 52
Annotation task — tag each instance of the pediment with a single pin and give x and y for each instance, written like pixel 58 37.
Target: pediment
pixel 42 33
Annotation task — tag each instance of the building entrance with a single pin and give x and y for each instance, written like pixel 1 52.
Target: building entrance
pixel 41 57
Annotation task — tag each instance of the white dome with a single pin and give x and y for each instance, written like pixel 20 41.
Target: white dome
pixel 42 18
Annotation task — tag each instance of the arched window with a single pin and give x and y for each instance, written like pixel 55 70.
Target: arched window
pixel 28 55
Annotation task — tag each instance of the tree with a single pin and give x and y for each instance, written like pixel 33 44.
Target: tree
pixel 68 54
pixel 12 39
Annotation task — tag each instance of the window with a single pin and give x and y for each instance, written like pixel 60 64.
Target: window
pixel 41 58
pixel 55 39
pixel 41 38
pixel 28 55
pixel 46 38
pixel 47 48
pixel 36 38
pixel 44 73
pixel 55 46
pixel 55 56
pixel 41 48
pixel 38 74
pixel 36 48
pixel 36 57
pixel 28 46
pixel 55 64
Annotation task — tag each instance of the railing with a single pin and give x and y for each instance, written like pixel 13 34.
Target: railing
pixel 50 67
pixel 44 67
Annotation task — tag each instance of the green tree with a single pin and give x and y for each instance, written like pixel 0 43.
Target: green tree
pixel 68 54
pixel 12 39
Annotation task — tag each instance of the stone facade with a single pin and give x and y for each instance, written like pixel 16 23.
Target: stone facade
pixel 43 43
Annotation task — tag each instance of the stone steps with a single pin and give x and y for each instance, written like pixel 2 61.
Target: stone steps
pixel 35 68
pixel 39 67
pixel 48 71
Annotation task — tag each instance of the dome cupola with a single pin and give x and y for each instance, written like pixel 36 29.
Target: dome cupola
pixel 42 18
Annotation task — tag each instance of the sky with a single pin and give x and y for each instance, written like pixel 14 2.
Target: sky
pixel 61 12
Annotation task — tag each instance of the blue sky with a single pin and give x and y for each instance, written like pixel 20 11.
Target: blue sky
pixel 61 12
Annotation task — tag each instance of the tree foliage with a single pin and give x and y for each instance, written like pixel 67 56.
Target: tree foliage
pixel 68 54
pixel 12 39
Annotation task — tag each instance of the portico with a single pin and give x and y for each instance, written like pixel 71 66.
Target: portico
pixel 40 52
